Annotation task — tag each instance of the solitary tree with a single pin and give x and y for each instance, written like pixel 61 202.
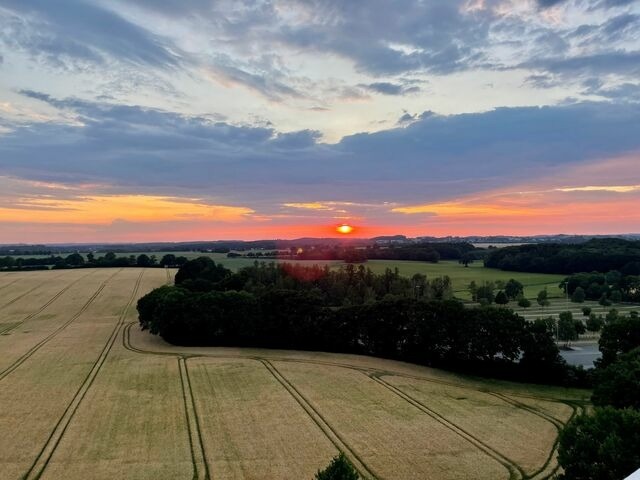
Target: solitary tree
pixel 466 259
pixel 524 302
pixel 543 298
pixel 586 311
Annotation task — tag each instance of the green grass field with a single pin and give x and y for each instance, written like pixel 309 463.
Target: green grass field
pixel 86 394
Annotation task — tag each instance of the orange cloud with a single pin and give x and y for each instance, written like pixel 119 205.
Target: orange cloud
pixel 102 209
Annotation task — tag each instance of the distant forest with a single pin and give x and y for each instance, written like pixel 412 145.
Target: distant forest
pixel 76 260
pixel 599 255
pixel 422 252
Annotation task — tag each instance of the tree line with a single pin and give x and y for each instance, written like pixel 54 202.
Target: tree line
pixel 613 286
pixel 77 260
pixel 600 255
pixel 423 252
pixel 310 308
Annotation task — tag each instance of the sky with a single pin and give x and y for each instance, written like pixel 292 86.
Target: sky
pixel 180 120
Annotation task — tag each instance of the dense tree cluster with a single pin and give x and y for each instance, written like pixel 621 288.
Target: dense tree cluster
pixel 349 285
pixel 605 443
pixel 351 310
pixel 600 255
pixel 613 286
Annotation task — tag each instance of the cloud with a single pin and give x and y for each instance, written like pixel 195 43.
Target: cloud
pixel 76 33
pixel 434 156
pixel 388 88
pixel 549 3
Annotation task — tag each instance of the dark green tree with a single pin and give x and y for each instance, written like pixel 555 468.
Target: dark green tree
pixel 543 298
pixel 143 261
pixel 513 289
pixel 618 384
pixel 566 328
pixel 602 446
pixel 594 323
pixel 340 468
pixel 618 336
pixel 501 298
pixel 578 295
pixel 466 259
pixel 524 302
pixel 75 259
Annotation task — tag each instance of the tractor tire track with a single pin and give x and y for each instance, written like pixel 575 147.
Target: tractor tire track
pixel 363 469
pixel 515 471
pixel 51 300
pixel 40 464
pixel 22 295
pixel 38 345
pixel 315 416
pixel 198 454
pixel 9 284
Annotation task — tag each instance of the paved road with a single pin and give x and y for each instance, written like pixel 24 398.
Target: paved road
pixel 582 354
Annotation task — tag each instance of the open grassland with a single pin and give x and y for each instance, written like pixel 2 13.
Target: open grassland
pixel 85 394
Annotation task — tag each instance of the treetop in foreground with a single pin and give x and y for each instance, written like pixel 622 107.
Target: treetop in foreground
pixel 340 468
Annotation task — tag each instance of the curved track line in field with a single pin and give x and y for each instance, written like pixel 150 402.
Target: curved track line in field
pixel 315 416
pixel 340 443
pixel 38 345
pixel 515 471
pixel 49 302
pixel 10 302
pixel 198 455
pixel 41 462
pixel 371 372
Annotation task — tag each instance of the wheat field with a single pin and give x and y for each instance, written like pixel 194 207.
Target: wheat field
pixel 85 394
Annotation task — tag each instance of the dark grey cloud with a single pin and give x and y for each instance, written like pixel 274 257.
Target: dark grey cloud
pixel 549 3
pixel 388 88
pixel 73 32
pixel 431 157
pixel 619 62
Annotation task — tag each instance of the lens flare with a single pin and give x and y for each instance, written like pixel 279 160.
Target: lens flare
pixel 344 229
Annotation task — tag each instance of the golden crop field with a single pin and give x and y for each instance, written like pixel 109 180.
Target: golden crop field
pixel 85 394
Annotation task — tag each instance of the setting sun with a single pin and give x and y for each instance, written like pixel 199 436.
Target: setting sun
pixel 344 229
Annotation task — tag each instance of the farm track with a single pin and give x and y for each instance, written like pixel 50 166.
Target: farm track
pixel 331 433
pixel 516 472
pixel 40 464
pixel 22 295
pixel 41 343
pixel 41 309
pixel 198 455
pixel 9 284
pixel 315 416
